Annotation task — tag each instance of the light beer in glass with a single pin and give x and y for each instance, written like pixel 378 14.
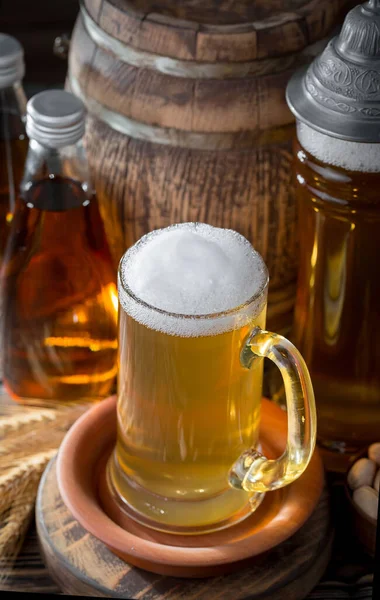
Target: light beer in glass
pixel 191 347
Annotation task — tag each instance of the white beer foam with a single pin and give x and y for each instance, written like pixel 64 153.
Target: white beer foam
pixel 187 271
pixel 352 156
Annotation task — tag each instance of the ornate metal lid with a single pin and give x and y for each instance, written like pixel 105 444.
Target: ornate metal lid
pixel 339 93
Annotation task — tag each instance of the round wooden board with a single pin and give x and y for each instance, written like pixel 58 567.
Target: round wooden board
pixel 82 565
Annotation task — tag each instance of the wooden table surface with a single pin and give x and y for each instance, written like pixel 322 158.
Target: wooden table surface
pixel 349 574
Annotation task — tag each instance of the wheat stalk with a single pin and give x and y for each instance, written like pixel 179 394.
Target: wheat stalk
pixel 29 470
pixel 16 521
pixel 28 440
pixel 14 526
pixel 39 436
pixel 18 421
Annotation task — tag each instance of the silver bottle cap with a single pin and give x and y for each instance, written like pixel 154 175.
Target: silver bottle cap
pixel 339 93
pixel 55 118
pixel 12 68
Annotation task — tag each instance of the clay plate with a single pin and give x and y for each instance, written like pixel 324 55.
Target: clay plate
pixel 80 472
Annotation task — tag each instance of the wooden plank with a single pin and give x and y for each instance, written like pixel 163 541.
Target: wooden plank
pixel 211 31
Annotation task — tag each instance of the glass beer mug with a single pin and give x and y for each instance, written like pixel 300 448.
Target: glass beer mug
pixel 191 345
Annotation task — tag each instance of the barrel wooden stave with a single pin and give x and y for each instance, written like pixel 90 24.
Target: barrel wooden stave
pixel 250 104
pixel 188 30
pixel 136 182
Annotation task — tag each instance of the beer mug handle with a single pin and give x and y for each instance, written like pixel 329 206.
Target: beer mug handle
pixel 253 472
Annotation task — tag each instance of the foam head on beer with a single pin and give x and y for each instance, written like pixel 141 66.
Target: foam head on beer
pixel 189 269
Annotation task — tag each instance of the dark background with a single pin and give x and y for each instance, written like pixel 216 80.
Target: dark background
pixel 36 24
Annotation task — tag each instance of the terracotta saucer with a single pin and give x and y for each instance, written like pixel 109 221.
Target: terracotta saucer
pixel 81 473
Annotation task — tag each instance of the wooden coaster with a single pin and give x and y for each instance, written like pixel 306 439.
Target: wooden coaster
pixel 81 564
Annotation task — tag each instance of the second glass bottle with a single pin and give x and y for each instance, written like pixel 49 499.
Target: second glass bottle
pixel 59 296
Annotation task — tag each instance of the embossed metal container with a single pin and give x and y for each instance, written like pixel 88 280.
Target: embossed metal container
pixel 339 93
pixel 337 179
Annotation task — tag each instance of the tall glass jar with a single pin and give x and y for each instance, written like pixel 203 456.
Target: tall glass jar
pixel 337 186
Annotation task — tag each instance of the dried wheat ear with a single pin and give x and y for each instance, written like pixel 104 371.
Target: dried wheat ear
pixel 29 438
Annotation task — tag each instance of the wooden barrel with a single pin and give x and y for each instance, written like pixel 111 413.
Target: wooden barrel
pixel 188 119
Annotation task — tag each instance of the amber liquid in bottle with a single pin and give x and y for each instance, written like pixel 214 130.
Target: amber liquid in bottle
pixel 60 298
pixel 337 317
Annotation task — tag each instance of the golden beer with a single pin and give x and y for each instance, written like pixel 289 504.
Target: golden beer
pixel 337 309
pixel 189 394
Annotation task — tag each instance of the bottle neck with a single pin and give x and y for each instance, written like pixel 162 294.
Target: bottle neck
pixel 68 162
pixel 62 173
pixel 12 112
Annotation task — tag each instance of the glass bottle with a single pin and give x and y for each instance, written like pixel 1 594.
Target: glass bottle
pixel 13 140
pixel 59 294
pixel 337 184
